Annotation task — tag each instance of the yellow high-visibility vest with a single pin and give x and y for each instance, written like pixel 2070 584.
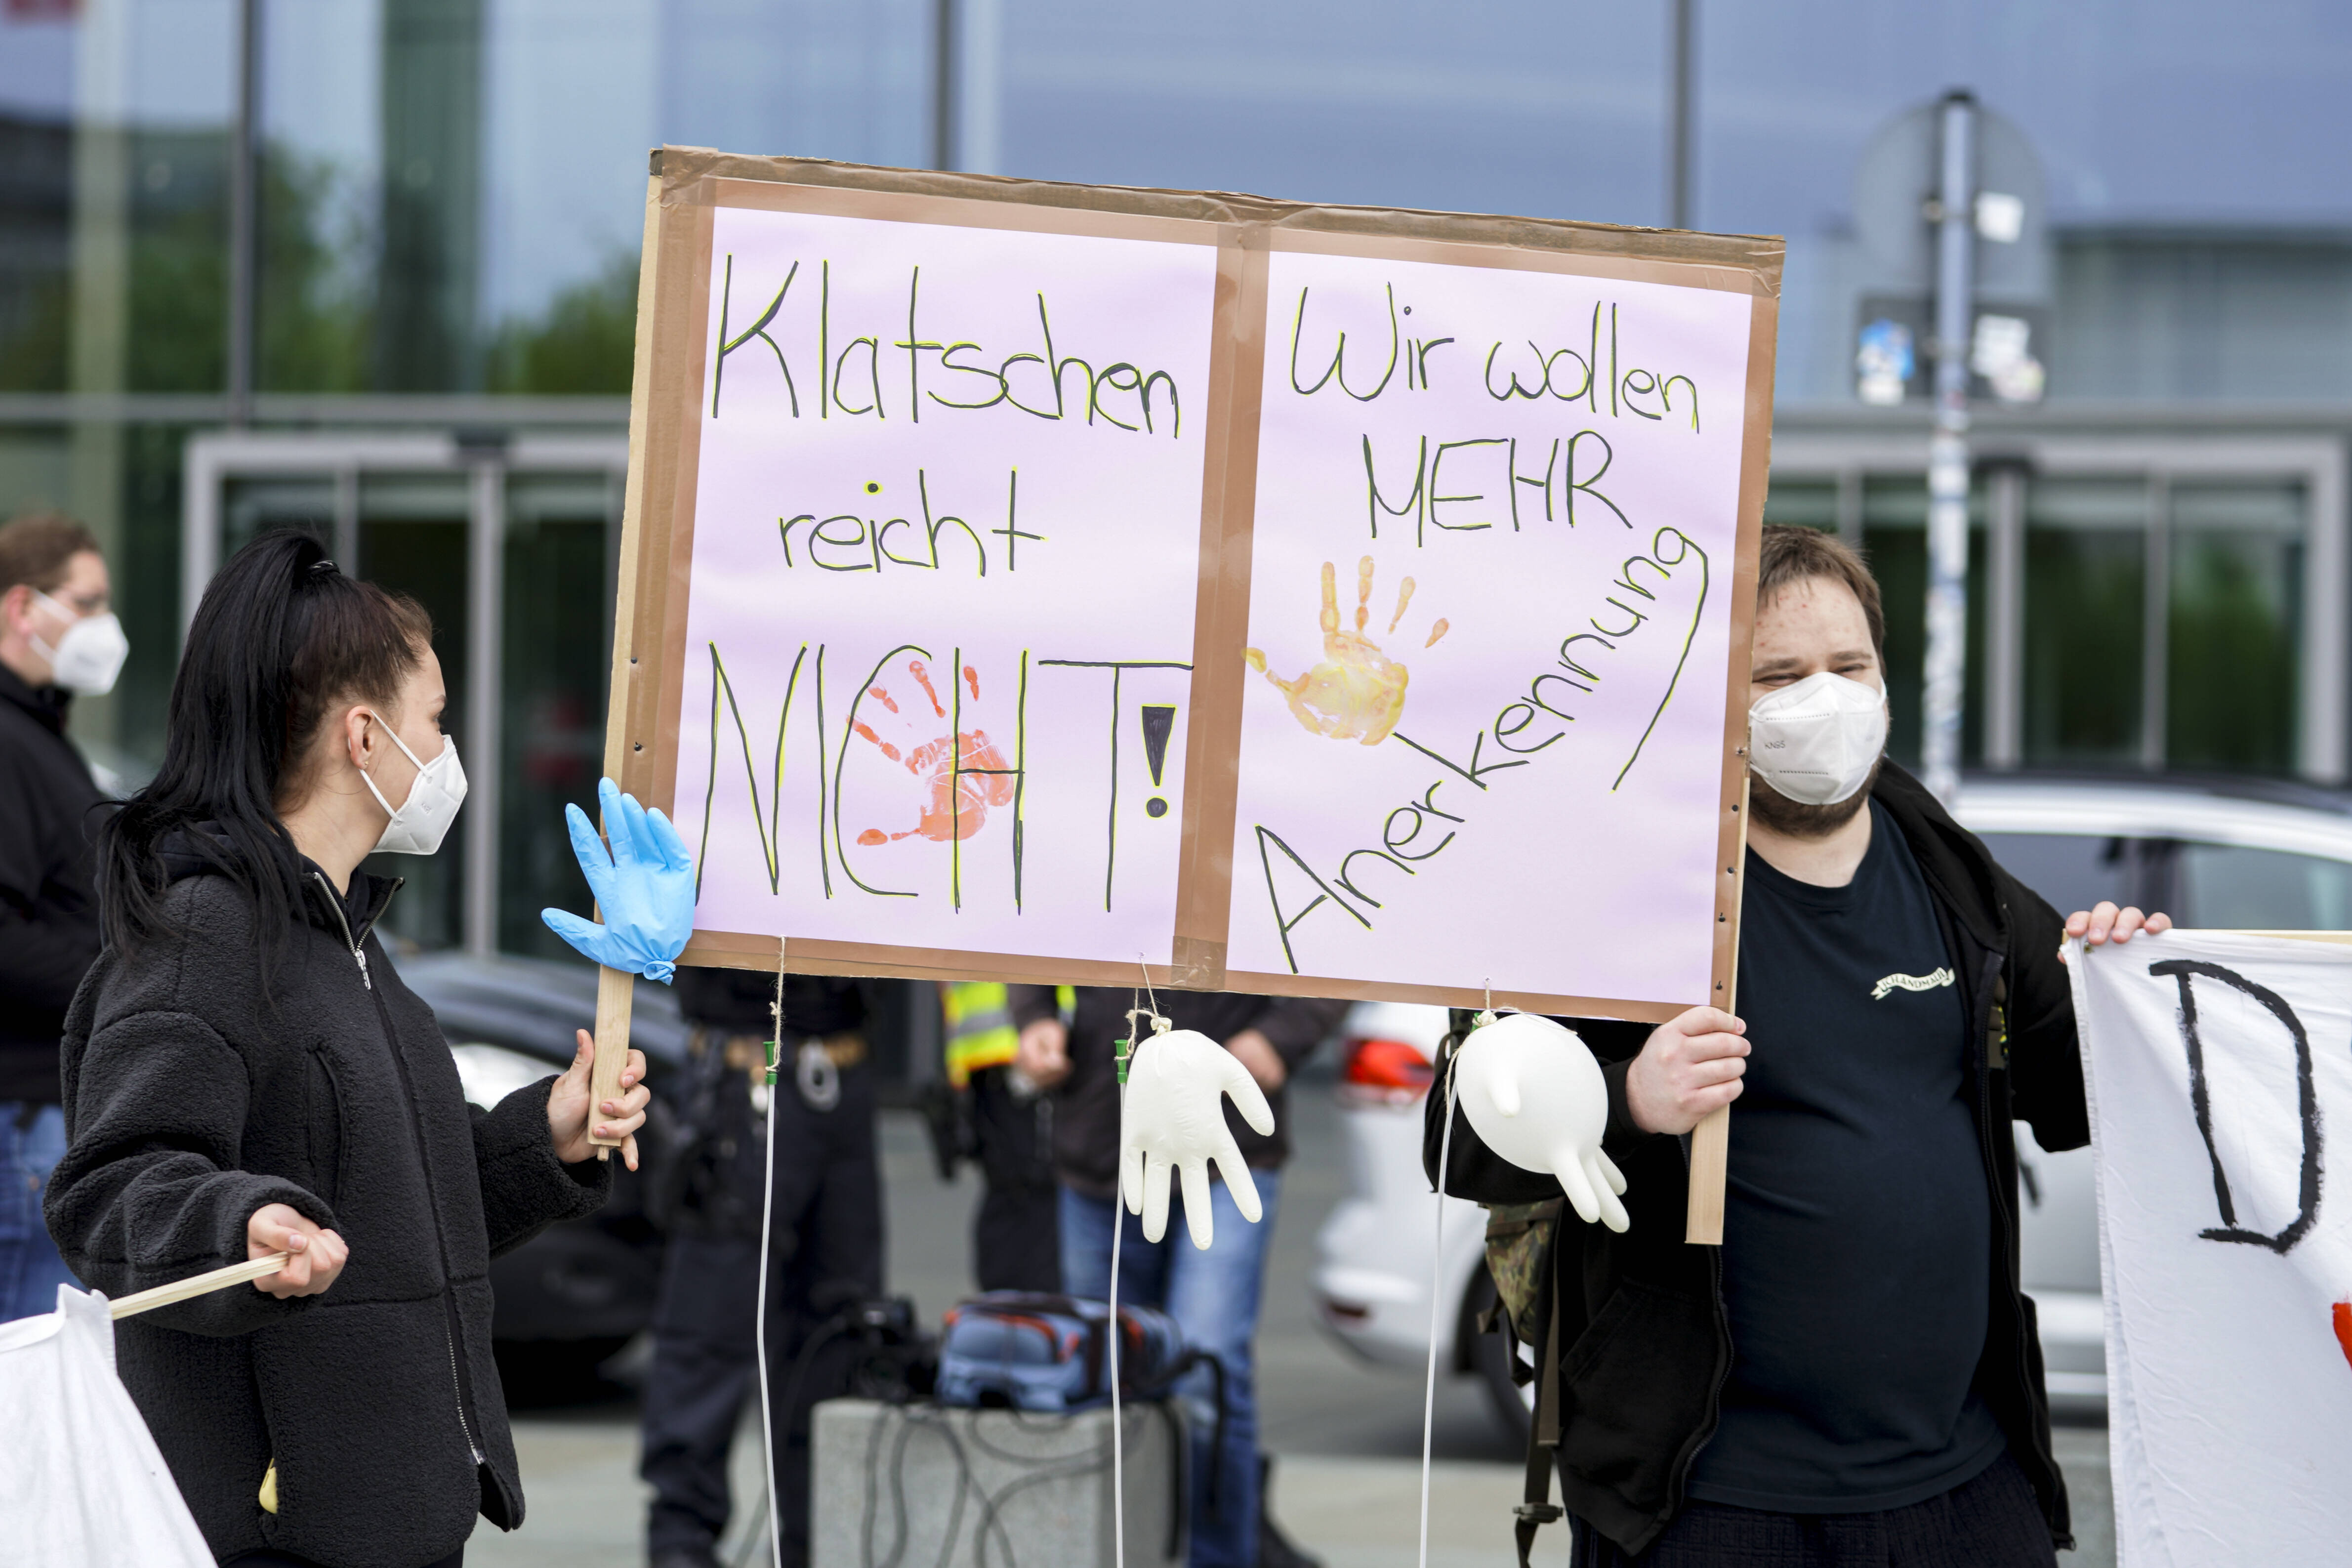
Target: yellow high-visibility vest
pixel 979 1032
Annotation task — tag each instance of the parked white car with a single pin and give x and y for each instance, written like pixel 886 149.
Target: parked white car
pixel 2237 855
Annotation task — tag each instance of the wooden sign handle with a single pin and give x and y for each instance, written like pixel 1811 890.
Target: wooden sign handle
pixel 198 1285
pixel 616 989
pixel 1710 1145
pixel 1710 1163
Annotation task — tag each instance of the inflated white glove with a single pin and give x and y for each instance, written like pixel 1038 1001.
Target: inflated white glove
pixel 1175 1117
pixel 1536 1095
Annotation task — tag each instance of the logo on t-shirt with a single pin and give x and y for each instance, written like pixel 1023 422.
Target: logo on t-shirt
pixel 1910 983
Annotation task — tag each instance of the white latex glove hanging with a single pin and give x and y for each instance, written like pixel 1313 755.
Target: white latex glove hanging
pixel 1175 1118
pixel 1535 1097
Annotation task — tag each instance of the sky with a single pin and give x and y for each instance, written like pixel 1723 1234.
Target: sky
pixel 2143 112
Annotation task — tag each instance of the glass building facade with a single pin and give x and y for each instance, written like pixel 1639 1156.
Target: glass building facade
pixel 369 267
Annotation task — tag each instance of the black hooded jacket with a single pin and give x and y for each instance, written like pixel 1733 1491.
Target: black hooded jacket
pixel 196 1091
pixel 1645 1344
pixel 48 912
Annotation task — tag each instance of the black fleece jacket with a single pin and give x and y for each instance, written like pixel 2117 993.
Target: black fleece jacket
pixel 196 1091
pixel 48 911
pixel 1645 1343
pixel 1086 1116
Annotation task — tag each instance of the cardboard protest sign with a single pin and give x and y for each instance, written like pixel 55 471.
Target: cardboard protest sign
pixel 981 561
pixel 1519 486
pixel 1060 582
pixel 2217 1062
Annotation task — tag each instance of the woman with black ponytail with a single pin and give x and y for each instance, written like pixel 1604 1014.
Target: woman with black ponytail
pixel 245 1074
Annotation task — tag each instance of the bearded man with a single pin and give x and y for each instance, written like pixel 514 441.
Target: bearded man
pixel 1853 1378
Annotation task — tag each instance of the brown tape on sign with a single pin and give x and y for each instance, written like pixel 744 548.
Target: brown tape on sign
pixel 973 530
pixel 1205 886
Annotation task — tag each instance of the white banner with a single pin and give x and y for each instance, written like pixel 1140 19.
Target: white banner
pixel 2217 1064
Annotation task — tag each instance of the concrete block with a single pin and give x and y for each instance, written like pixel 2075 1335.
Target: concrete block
pixel 991 1488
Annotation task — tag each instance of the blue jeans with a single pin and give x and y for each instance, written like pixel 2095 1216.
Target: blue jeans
pixel 30 1268
pixel 1214 1297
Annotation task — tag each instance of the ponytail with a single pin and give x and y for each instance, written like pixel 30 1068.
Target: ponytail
pixel 279 639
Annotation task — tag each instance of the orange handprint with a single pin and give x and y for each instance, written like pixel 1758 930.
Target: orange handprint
pixel 1357 693
pixel 965 775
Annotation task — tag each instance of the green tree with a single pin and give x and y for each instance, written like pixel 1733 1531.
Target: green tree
pixel 585 340
pixel 313 304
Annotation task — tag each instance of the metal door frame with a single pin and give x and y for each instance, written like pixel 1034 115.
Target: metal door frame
pixel 2324 690
pixel 213 458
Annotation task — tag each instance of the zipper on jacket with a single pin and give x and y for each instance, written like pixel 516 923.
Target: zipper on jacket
pixel 1678 1474
pixel 1992 989
pixel 1678 1478
pixel 459 1383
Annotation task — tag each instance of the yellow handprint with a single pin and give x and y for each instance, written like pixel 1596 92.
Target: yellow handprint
pixel 1357 693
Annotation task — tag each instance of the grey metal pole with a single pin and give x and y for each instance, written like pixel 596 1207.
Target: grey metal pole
pixel 244 213
pixel 1947 450
pixel 1679 139
pixel 486 719
pixel 944 106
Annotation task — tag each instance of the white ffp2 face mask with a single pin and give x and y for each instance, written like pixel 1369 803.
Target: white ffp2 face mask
pixel 1815 741
pixel 423 819
pixel 89 654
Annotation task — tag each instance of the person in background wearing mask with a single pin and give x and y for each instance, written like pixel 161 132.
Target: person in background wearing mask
pixel 57 638
pixel 245 1074
pixel 1853 1378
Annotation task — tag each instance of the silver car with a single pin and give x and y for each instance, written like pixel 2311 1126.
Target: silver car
pixel 2233 854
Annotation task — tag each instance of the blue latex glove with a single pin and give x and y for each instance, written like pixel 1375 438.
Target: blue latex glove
pixel 644 888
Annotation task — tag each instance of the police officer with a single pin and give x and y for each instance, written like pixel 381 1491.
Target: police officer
pixel 1002 1119
pixel 825 1248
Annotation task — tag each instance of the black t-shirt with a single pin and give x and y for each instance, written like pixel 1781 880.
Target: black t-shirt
pixel 1858 1223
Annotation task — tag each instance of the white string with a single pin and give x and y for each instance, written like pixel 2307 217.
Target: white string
pixel 1150 1000
pixel 767 1212
pixel 1117 1443
pixel 1118 1228
pixel 1436 1277
pixel 1117 1225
